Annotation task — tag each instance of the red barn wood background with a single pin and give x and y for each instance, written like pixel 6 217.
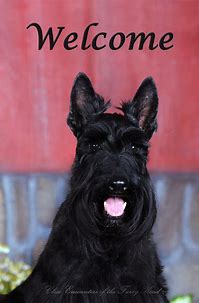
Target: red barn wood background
pixel 35 85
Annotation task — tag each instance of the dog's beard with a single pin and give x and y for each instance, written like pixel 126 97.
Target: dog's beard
pixel 137 215
pixel 89 212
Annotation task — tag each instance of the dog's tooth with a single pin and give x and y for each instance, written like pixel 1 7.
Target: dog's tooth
pixel 124 205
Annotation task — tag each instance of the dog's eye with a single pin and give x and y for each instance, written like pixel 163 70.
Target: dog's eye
pixel 95 146
pixel 137 149
pixel 134 148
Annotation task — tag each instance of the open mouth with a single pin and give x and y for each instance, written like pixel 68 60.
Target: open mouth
pixel 115 206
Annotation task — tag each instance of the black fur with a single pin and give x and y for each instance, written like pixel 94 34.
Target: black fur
pixel 92 257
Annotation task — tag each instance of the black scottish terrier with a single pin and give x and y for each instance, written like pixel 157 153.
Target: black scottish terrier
pixel 100 249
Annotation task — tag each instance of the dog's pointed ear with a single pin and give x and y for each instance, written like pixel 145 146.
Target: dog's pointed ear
pixel 85 104
pixel 142 110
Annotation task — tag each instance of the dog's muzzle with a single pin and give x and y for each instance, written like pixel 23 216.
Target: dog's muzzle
pixel 115 204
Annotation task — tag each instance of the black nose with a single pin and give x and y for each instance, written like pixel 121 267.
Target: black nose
pixel 118 186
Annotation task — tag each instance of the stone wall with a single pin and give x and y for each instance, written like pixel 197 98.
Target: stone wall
pixel 28 204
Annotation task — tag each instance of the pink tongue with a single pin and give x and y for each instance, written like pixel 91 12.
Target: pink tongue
pixel 114 206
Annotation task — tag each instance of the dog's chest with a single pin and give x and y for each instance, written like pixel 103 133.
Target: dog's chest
pixel 112 274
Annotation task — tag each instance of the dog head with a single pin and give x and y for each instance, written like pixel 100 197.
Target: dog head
pixel 110 185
